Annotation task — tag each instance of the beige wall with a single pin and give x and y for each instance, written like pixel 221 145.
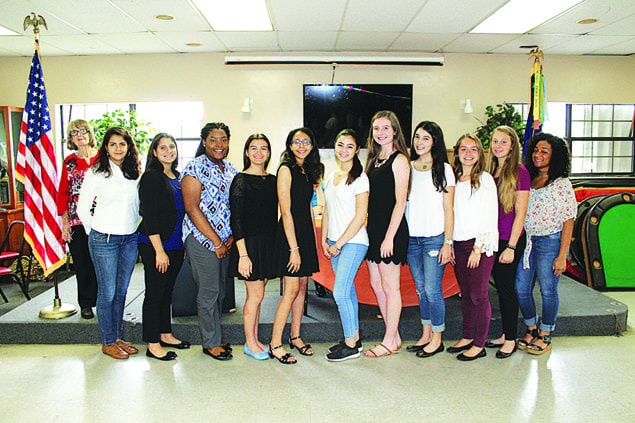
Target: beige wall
pixel 277 90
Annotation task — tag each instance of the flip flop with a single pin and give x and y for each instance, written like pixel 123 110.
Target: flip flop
pixel 373 354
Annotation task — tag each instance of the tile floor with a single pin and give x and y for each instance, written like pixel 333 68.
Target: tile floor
pixel 583 379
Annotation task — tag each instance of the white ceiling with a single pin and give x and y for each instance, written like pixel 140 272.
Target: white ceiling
pixel 98 27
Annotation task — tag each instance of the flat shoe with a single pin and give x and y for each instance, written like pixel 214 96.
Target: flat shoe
pixel 459 349
pixel 463 357
pixel 114 351
pixel 424 354
pixel 415 348
pixel 87 313
pixel 264 355
pixel 183 345
pixel 501 354
pixel 126 347
pixel 489 344
pixel 224 356
pixel 171 355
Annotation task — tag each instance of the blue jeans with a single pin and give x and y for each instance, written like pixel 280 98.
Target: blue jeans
pixel 345 267
pixel 114 257
pixel 544 251
pixel 423 259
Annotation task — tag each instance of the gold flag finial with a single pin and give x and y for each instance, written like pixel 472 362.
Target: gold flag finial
pixel 36 21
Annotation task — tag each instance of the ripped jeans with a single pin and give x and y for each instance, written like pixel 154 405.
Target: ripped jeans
pixel 423 259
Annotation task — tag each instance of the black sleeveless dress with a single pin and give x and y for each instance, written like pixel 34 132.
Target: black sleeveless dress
pixel 301 194
pixel 381 202
pixel 253 201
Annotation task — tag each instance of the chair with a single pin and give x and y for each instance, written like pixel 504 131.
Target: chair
pixel 6 272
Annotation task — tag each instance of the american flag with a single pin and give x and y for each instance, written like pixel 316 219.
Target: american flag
pixel 36 169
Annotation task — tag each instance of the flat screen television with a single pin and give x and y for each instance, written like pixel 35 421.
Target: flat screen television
pixel 330 108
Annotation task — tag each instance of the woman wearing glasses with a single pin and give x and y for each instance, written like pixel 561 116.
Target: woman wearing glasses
pixel 81 139
pixel 300 169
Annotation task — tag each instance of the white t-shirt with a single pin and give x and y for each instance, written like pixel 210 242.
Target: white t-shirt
pixel 476 214
pixel 340 204
pixel 424 210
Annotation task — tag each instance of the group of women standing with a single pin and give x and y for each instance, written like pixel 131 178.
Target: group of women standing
pixel 419 209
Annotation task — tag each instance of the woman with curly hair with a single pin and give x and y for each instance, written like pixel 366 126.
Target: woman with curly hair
pixel 512 182
pixel 549 226
pixel 108 207
pixel 300 170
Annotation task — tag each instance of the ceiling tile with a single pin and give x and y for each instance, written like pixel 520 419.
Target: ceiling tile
pixel 379 15
pixel 178 40
pixel 478 43
pixel 293 15
pixel 22 45
pixel 607 11
pixel 422 42
pixel 307 41
pixel 543 41
pixel 92 17
pixel 81 44
pixel 245 41
pixel 624 26
pixel 435 16
pixel 626 47
pixel 186 17
pixel 586 44
pixel 365 41
pixel 138 42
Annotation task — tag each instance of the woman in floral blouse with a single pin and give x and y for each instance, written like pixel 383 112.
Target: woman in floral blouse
pixel 81 139
pixel 549 225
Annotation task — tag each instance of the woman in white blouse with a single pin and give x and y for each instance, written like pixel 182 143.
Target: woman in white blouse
pixel 108 207
pixel 475 242
pixel 430 216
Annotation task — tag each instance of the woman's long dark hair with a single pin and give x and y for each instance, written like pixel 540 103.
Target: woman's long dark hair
pixel 357 168
pixel 438 151
pixel 152 161
pixel 559 166
pixel 246 160
pixel 205 132
pixel 312 165
pixel 131 168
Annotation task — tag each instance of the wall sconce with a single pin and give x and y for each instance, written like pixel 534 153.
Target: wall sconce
pixel 248 105
pixel 466 106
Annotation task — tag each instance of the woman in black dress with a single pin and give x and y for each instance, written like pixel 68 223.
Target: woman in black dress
pixel 300 169
pixel 254 213
pixel 388 169
pixel 161 244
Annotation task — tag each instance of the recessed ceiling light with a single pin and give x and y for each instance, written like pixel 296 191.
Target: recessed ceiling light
pixel 588 21
pixel 7 31
pixel 164 17
pixel 193 44
pixel 516 18
pixel 235 15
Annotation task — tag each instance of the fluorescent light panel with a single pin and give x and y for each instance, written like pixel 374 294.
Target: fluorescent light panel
pixel 235 15
pixel 519 16
pixel 6 31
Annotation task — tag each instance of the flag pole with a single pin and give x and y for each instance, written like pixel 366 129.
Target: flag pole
pixel 58 310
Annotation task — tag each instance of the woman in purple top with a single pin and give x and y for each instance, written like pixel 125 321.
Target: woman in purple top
pixel 513 183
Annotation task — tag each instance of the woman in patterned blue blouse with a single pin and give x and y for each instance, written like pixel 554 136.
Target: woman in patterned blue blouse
pixel 207 232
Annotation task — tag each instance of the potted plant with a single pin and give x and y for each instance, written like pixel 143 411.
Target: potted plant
pixel 504 114
pixel 140 130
